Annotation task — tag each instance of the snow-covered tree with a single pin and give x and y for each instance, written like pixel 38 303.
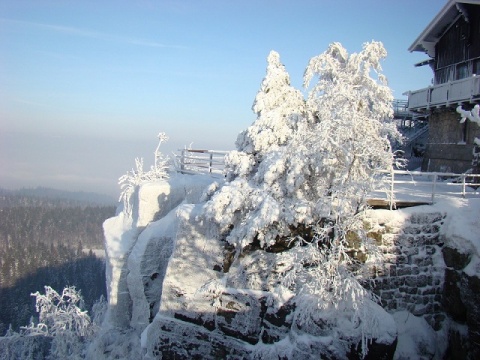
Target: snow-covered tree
pixel 62 317
pixel 351 106
pixel 248 207
pixel 278 107
pixel 301 176
pixel 297 164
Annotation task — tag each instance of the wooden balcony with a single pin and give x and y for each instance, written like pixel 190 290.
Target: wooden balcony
pixel 451 93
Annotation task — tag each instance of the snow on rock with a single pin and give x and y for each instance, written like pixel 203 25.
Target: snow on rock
pixel 119 238
pixel 177 288
pixel 461 231
pixel 416 339
pixel 151 201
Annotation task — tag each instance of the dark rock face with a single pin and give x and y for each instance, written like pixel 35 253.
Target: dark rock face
pixel 454 259
pixel 461 303
pixel 180 340
pixel 452 296
pixel 376 351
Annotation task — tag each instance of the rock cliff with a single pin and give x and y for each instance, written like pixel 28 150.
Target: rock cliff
pixel 177 290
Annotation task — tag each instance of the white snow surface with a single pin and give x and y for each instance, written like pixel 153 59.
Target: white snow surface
pixel 416 339
pixel 129 234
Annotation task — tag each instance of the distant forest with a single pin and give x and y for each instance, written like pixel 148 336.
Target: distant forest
pixel 46 241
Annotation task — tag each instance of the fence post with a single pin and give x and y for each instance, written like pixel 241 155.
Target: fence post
pixel 392 179
pixel 463 185
pixel 211 163
pixel 182 161
pixel 434 186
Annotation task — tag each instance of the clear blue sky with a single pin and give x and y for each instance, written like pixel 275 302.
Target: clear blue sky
pixel 86 86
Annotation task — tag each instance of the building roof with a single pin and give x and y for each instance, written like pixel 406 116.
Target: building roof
pixel 426 41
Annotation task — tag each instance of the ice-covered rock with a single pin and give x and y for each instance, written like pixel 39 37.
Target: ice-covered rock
pixel 138 247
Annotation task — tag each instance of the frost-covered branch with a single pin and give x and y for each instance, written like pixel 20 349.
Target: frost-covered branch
pixel 327 280
pixel 137 176
pixel 61 316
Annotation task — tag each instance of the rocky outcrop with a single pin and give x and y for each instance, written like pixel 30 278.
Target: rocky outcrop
pixel 184 291
pixel 180 291
pixel 461 303
pixel 208 311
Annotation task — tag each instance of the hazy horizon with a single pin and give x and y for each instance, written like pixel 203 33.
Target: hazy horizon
pixel 85 87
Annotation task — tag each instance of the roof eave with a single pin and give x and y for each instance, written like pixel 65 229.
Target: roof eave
pixel 418 44
pixel 427 39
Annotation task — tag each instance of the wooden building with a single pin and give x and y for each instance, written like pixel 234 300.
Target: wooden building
pixel 452 42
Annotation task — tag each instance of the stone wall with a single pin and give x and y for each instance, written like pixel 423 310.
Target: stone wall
pixel 450 144
pixel 412 276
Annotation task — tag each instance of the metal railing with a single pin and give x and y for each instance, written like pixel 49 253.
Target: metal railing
pixel 417 186
pixel 394 185
pixel 192 161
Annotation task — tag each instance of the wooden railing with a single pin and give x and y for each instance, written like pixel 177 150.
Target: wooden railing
pixel 192 161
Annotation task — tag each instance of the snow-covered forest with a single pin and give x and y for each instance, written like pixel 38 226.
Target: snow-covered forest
pixel 48 241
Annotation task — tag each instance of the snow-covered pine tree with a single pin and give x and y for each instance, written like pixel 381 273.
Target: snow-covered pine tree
pixel 248 207
pixel 278 107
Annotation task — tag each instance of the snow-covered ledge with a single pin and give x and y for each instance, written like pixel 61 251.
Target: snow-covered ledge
pixel 130 235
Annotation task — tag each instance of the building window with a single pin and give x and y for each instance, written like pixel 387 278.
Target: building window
pixel 461 71
pixel 476 67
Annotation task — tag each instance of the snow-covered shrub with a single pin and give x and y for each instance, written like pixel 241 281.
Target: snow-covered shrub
pixel 63 312
pixel 135 177
pixel 62 317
